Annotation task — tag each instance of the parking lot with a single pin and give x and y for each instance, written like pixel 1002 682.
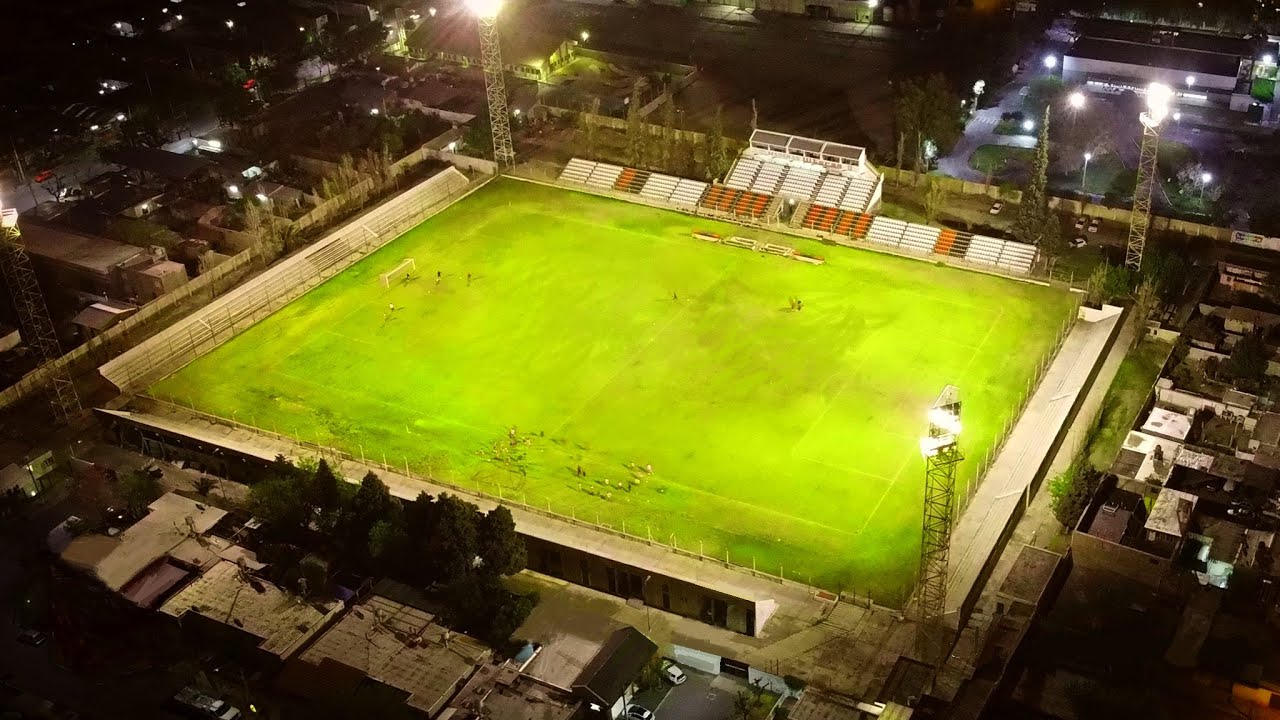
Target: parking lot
pixel 701 697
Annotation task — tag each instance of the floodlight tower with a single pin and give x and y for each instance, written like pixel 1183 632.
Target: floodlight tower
pixel 941 451
pixel 33 314
pixel 495 86
pixel 1158 98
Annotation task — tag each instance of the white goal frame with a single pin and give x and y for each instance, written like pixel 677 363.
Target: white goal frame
pixel 385 277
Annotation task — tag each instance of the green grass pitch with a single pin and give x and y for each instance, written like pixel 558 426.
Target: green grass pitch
pixel 606 335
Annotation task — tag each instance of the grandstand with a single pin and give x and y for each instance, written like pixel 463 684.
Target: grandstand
pixel 833 185
pixel 680 192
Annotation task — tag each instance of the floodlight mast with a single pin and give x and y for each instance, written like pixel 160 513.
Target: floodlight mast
pixel 495 86
pixel 940 448
pixel 33 314
pixel 1158 98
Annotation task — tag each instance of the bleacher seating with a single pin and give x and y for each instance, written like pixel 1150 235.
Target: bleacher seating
pixel 831 189
pixel 886 231
pixel 920 238
pixel 837 206
pixel 743 173
pixel 631 180
pixel 769 178
pixel 984 250
pixel 800 182
pixel 688 193
pixel 604 175
pixel 660 187
pixel 577 171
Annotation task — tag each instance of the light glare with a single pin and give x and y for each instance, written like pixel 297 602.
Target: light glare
pixel 484 8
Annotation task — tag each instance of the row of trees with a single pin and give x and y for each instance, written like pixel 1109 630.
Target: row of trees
pixel 443 544
pixel 664 147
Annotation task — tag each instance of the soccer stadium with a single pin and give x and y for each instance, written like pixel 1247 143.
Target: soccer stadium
pixel 628 365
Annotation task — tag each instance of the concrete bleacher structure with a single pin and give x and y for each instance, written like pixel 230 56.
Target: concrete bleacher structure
pixel 680 192
pixel 807 170
pixel 838 203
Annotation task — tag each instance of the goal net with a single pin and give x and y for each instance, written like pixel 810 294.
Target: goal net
pixel 403 270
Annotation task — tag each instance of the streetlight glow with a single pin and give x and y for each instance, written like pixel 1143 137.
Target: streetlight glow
pixel 1051 61
pixel 230 24
pixel 1191 80
pixel 1076 100
pixel 484 8
pixel 1088 156
pixel 1028 125
pixel 1206 178
pixel 979 86
pixel 1268 59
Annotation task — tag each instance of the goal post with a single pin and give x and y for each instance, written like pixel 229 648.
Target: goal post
pixel 407 267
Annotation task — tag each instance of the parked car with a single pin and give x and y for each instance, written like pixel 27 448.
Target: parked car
pixel 43 175
pixel 635 712
pixel 34 638
pixel 198 705
pixel 1081 221
pixel 1078 242
pixel 1094 224
pixel 673 673
pixel 996 207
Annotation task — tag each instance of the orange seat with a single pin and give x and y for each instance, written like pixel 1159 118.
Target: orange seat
pixel 624 180
pixel 946 239
pixel 845 222
pixel 863 224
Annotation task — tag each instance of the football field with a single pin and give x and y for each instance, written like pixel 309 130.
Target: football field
pixel 569 331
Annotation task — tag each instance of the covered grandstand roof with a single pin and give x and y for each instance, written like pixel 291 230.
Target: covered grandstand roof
pixel 808 147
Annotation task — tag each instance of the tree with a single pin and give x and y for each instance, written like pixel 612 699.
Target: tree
pixel 139 488
pixel 372 502
pixel 635 130
pixel 935 198
pixel 141 232
pixel 927 109
pixel 1034 219
pixel 1145 301
pixel 1070 491
pixel 478 138
pixel 445 532
pixel 501 548
pixel 281 502
pixel 717 147
pixel 356 43
pixel 388 540
pixel 323 489
pixel 587 124
pixel 314 576
pixel 667 146
pixel 1192 184
pixel 1248 361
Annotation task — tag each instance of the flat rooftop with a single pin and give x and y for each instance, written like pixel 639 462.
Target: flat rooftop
pixel 1157 56
pixel 281 620
pixel 1165 35
pixel 403 647
pixel 95 254
pixel 169 529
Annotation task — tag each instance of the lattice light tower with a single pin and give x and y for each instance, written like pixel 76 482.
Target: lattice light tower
pixel 941 450
pixel 33 314
pixel 1158 98
pixel 495 85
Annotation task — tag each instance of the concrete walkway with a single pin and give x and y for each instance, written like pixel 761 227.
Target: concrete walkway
pixel 980 130
pixel 1009 479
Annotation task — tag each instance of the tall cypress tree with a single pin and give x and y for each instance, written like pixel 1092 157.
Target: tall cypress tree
pixel 1034 216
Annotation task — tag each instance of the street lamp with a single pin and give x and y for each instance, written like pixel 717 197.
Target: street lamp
pixel 584 35
pixel 1205 179
pixel 230 24
pixel 1084 176
pixel 1050 61
pixel 1191 80
pixel 1268 59
pixel 1076 100
pixel 1028 125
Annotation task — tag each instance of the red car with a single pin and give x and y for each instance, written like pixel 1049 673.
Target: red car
pixel 43 175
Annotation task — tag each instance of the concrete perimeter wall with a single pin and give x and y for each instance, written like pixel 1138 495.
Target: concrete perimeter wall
pixel 214 324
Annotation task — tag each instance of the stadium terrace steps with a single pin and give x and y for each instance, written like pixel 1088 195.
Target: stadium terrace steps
pixel 920 238
pixel 862 226
pixel 577 171
pixel 743 174
pixel 631 180
pixel 604 176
